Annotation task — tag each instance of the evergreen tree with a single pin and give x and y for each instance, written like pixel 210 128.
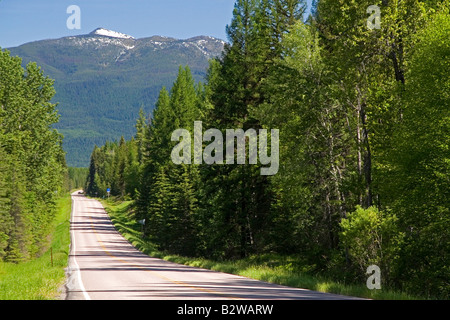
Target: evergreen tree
pixel 236 87
pixel 121 163
pixel 185 208
pixel 91 187
pixel 159 210
pixel 132 169
pixel 141 132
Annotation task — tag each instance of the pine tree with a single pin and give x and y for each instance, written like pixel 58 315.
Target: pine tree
pixel 159 200
pixel 185 207
pixel 236 92
pixel 156 144
pixel 91 187
pixel 121 163
pixel 132 169
pixel 141 132
pixel 159 215
pixel 183 100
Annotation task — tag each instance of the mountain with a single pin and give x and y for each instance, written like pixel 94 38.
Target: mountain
pixel 103 78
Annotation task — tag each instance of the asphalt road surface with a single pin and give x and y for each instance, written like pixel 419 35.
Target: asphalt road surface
pixel 105 266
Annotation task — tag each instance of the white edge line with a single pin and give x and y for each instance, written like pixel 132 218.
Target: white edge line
pixel 80 281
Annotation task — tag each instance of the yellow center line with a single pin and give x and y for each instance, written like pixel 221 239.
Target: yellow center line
pixel 156 273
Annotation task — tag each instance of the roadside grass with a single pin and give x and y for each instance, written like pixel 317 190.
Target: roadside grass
pixel 38 279
pixel 273 268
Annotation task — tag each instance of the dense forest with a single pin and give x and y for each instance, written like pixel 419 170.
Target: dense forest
pixel 32 163
pixel 364 118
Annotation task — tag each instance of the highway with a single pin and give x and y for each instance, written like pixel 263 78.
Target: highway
pixel 105 266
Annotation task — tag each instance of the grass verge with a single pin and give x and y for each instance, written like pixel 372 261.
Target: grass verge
pixel 284 270
pixel 38 279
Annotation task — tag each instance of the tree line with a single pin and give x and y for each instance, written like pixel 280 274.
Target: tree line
pixel 363 116
pixel 32 162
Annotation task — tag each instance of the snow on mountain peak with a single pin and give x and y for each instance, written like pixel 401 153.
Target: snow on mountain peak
pixel 110 33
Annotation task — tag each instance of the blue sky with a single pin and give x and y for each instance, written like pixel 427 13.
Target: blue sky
pixel 24 21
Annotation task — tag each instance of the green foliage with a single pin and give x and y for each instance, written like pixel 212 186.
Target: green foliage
pixel 315 144
pixel 421 161
pixel 5 202
pixel 32 161
pixel 364 123
pixel 77 177
pixel 113 166
pixel 371 238
pixel 167 197
pixel 285 270
pixel 39 279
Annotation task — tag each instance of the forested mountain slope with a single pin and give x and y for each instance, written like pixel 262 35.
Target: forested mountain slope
pixel 102 79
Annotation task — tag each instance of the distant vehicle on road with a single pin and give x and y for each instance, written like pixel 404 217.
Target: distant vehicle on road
pixel 81 192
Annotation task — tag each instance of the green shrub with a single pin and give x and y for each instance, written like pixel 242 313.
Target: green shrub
pixel 371 237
